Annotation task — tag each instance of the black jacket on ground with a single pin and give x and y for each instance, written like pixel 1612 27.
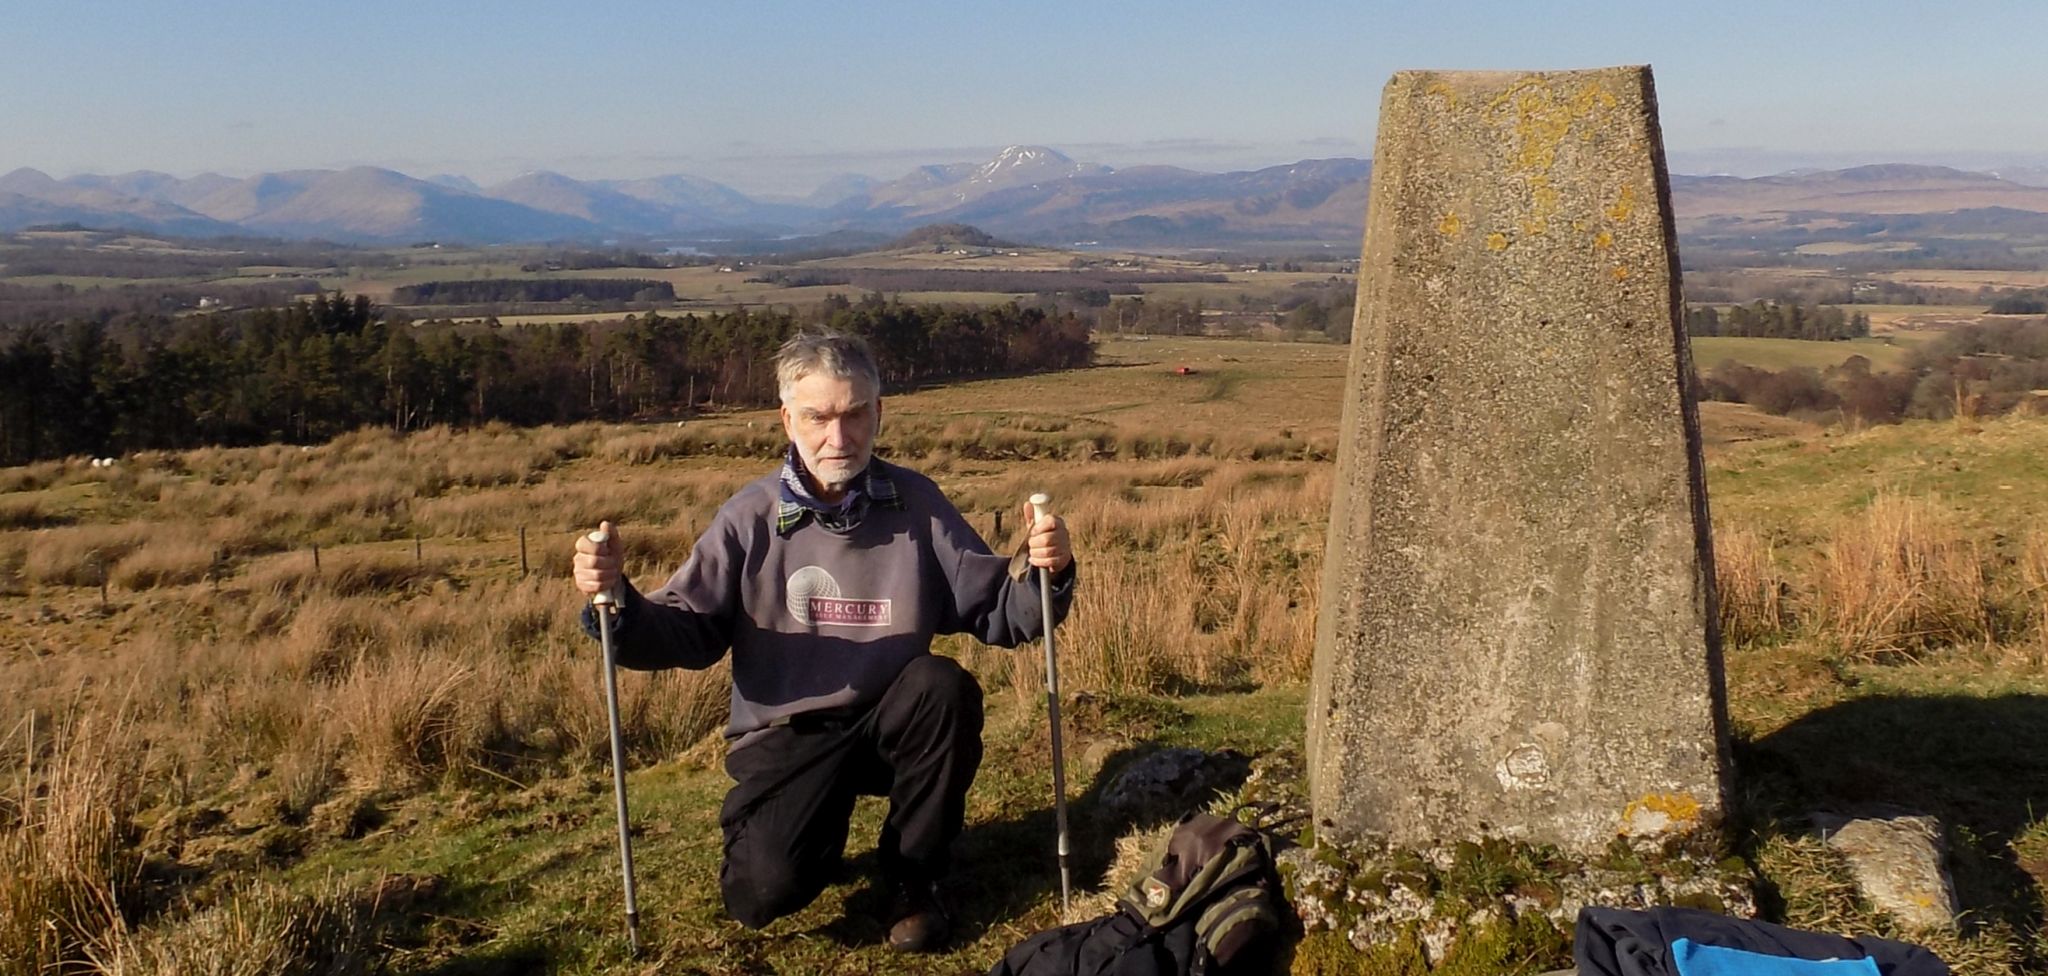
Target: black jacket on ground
pixel 1619 942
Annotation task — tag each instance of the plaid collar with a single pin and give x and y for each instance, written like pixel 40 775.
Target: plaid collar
pixel 796 502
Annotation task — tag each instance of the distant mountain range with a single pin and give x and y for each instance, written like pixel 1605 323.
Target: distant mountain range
pixel 1028 193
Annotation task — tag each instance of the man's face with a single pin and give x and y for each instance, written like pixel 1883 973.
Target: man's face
pixel 833 423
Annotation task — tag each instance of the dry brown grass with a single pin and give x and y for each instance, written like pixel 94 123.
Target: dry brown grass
pixel 345 572
pixel 13 556
pixel 1902 579
pixel 2033 569
pixel 381 672
pixel 68 856
pixel 377 676
pixel 80 555
pixel 261 928
pixel 25 512
pixel 166 562
pixel 43 474
pixel 1751 585
pixel 406 720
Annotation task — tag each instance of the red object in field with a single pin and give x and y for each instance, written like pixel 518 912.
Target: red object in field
pixel 1184 371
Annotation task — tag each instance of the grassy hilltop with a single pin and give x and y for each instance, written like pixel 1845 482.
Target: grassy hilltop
pixel 224 753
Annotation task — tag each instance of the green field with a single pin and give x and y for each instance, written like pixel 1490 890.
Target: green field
pixel 1884 352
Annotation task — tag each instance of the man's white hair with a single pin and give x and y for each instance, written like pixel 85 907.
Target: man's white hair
pixel 835 354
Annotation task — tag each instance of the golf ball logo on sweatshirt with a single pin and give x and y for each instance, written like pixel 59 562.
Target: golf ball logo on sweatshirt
pixel 815 599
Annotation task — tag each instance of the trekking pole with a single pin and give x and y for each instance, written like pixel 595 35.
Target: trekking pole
pixel 1041 506
pixel 605 607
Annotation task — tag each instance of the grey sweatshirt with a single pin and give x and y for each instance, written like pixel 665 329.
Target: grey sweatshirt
pixel 821 621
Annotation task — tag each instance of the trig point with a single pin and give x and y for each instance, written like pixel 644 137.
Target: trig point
pixel 1517 632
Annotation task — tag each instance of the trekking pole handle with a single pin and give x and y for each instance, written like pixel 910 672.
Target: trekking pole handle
pixel 1041 506
pixel 602 598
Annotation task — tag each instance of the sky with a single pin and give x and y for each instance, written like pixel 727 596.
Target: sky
pixel 776 97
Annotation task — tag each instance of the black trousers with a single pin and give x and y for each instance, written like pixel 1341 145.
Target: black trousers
pixel 786 818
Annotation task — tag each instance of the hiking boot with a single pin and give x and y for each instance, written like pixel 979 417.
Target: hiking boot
pixel 920 924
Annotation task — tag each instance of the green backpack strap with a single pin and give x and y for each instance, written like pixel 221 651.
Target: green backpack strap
pixel 1235 921
pixel 1215 874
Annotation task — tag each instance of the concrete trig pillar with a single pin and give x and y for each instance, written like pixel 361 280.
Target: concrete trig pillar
pixel 1517 633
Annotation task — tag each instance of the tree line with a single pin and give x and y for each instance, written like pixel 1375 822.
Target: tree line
pixel 959 279
pixel 487 291
pixel 1979 370
pixel 2029 302
pixel 1777 320
pixel 307 371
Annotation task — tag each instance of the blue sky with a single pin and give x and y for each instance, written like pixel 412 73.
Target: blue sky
pixel 775 97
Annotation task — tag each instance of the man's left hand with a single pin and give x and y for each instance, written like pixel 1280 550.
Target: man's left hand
pixel 1048 542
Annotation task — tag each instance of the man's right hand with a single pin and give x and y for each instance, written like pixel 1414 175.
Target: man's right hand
pixel 598 563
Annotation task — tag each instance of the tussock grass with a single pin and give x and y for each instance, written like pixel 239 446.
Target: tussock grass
pixel 40 475
pixel 344 572
pixel 759 439
pixel 2033 567
pixel 68 859
pixel 26 513
pixel 406 720
pixel 166 562
pixel 328 636
pixel 1751 585
pixel 261 928
pixel 1902 579
pixel 13 556
pixel 80 555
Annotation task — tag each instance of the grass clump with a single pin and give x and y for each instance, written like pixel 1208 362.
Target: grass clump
pixel 261 928
pixel 1901 579
pixel 67 853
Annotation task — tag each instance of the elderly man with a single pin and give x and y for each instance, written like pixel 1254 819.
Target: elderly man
pixel 828 580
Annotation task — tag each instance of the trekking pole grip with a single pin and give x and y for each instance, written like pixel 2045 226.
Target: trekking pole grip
pixel 603 599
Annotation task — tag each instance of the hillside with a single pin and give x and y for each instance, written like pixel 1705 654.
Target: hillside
pixel 392 753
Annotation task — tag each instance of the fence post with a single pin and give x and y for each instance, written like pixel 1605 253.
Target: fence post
pixel 316 559
pixel 102 560
pixel 999 527
pixel 522 552
pixel 417 560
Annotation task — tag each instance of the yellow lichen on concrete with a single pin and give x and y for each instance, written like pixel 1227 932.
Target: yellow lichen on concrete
pixel 1624 205
pixel 1620 273
pixel 1451 226
pixel 1602 241
pixel 1543 118
pixel 1657 813
pixel 1445 92
pixel 1496 241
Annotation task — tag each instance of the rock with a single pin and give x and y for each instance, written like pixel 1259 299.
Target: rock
pixel 1314 887
pixel 1900 865
pixel 1171 782
pixel 1276 790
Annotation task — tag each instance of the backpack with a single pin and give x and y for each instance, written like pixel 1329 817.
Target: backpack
pixel 1207 903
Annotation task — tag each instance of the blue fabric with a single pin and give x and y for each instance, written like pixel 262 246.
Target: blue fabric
pixel 1694 959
